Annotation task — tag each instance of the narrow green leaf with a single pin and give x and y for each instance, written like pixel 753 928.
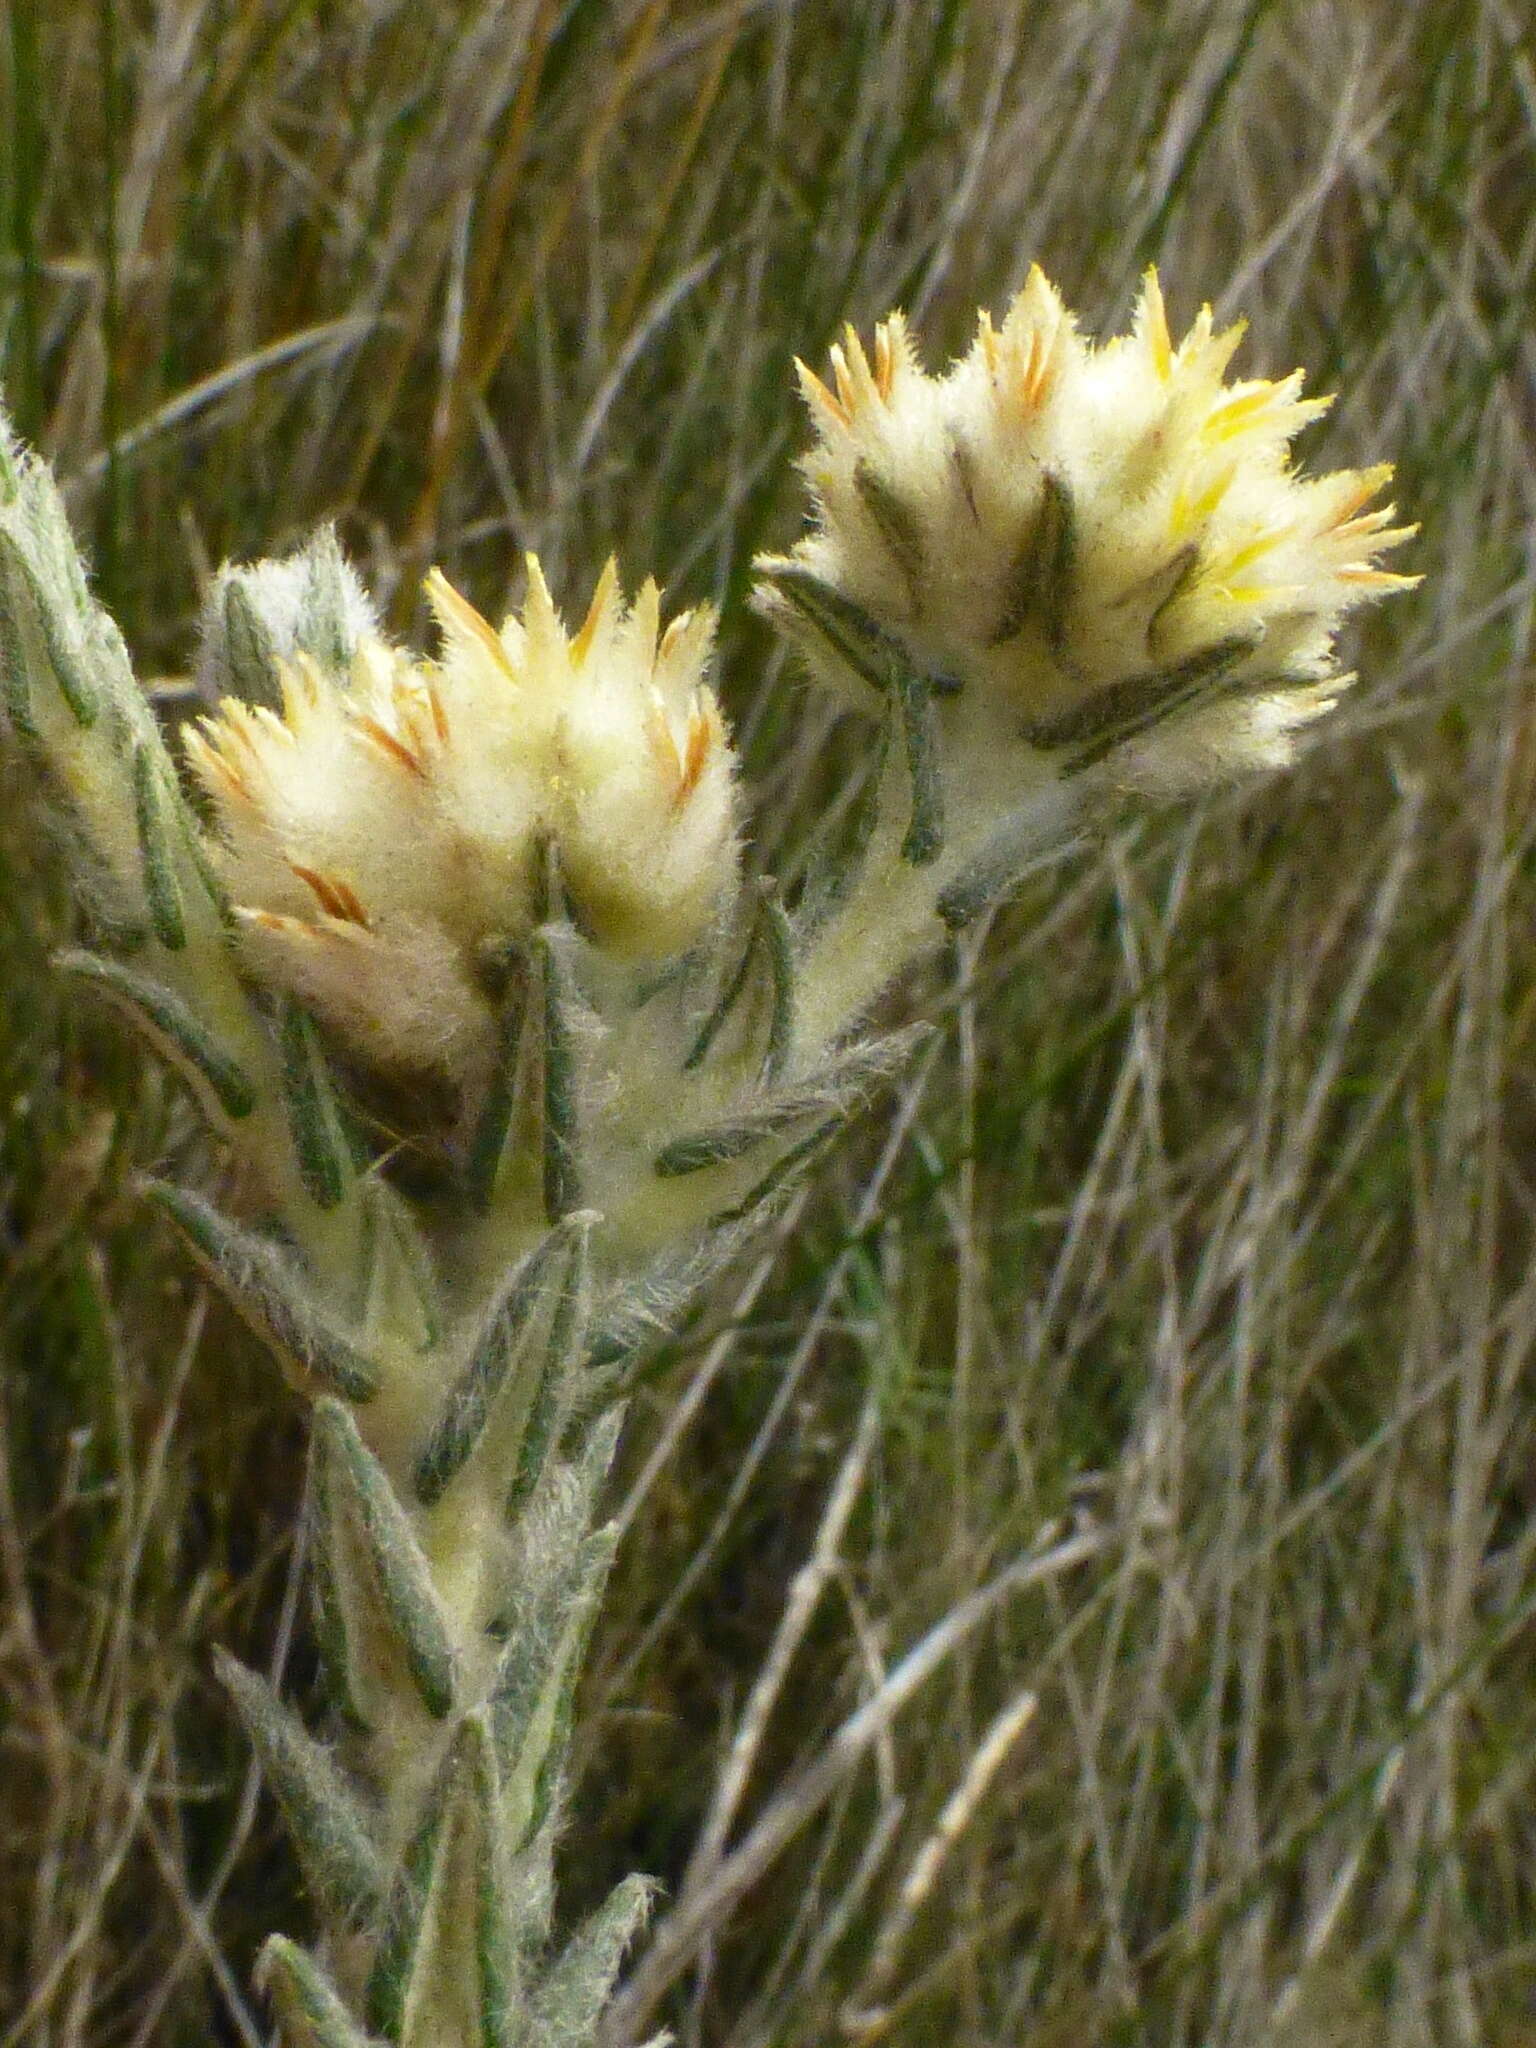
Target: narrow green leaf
pixel 114 665
pixel 539 1652
pixel 544 1297
pixel 1040 583
pixel 551 896
pixel 309 2009
pixel 552 1394
pixel 500 1937
pixel 15 672
pixel 396 1288
pixel 594 1458
pixel 719 1014
pixel 51 534
pixel 848 631
pixel 671 974
pixel 779 950
pixel 833 1086
pixel 762 1203
pixel 399 1957
pixel 449 1967
pixel 834 881
pixel 595 1564
pixel 401 1573
pixel 998 868
pixel 550 1774
pixel 545 1409
pixel 60 633
pixel 314 1115
pixel 489 1145
pixel 1168 586
pixel 876 1060
pixel 898 527
pixel 450 1949
pixel 562 1185
pixel 330 1830
pixel 329 1573
pixel 207 874
pixel 925 833
pixel 874 655
pixel 1121 710
pixel 1058 562
pixel 632 1315
pixel 769 946
pixel 176 1032
pixel 325 629
pixel 571 1998
pixel 265 1287
pixel 249 655
pixel 157 856
pixel 723 1143
pixel 962 460
pixel 363 1300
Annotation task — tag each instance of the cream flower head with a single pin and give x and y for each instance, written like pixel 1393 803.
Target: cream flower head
pixel 387 836
pixel 1109 544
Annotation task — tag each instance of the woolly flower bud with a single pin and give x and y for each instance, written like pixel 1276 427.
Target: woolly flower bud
pixel 261 613
pixel 1109 544
pixel 386 835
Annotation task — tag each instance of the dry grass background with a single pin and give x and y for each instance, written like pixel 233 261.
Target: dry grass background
pixel 1205 1238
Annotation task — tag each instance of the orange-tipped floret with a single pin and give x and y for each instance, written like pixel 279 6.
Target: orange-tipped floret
pixel 1098 539
pixel 389 823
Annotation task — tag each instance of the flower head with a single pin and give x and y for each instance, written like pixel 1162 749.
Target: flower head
pixel 387 833
pixel 1110 544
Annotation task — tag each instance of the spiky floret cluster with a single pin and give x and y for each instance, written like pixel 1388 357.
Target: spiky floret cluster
pixel 1109 543
pixel 385 836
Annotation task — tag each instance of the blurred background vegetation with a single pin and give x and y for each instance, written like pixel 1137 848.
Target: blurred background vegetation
pixel 1208 1230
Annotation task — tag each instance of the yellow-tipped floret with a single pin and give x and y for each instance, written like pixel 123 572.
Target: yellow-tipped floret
pixel 394 822
pixel 1110 541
